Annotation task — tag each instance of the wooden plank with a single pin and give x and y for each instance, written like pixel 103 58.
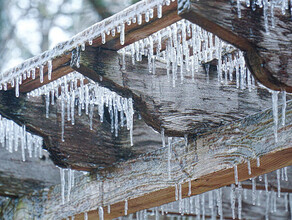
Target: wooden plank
pixel 268 55
pixel 208 161
pixel 70 153
pixel 133 32
pixel 192 107
pixel 20 178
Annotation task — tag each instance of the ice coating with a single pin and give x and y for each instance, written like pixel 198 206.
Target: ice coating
pixel 97 30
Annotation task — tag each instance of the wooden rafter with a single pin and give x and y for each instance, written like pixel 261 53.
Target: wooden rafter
pixel 144 181
pixel 268 54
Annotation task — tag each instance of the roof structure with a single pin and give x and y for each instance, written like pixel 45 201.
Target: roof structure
pixel 165 101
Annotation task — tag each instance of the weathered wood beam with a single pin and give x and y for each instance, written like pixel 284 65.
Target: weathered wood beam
pixel 268 55
pixel 18 178
pixel 99 148
pixel 208 161
pixel 133 32
pixel 191 107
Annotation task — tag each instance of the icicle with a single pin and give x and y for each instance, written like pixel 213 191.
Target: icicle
pixel 23 142
pixel 17 87
pixel 267 205
pixel 278 183
pixel 85 216
pixel 91 115
pixel 266 183
pixel 62 174
pixel 139 19
pixel 47 104
pixel 100 213
pixel 219 203
pixel 258 162
pixel 62 114
pixel 236 174
pixel 253 191
pixel 232 200
pixel 273 13
pixel 238 9
pixel 83 46
pixel 69 184
pixel 33 73
pixel 203 205
pixel 180 197
pixel 275 113
pixel 50 67
pixel 103 40
pixel 108 209
pixel 159 11
pixel 176 192
pixel 286 173
pixel 169 157
pixel 259 193
pixel 162 137
pixel 156 213
pixel 41 73
pixel 286 201
pixel 147 16
pixel 197 206
pixel 190 188
pixel 284 106
pixel 72 107
pixel 186 140
pixel 122 34
pixel 265 11
pixel 249 167
pixel 126 207
pixel 239 200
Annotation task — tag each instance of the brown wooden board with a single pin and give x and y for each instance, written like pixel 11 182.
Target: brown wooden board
pixel 268 55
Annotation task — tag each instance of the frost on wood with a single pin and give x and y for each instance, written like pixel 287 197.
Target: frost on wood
pixel 78 93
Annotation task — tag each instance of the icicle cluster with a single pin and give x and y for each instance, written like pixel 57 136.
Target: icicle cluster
pixel 184 46
pixel 76 93
pixel 110 26
pixel 210 205
pixel 235 63
pixel 13 137
pixel 268 6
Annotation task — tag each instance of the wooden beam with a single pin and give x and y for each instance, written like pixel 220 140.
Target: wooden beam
pixel 20 178
pixel 70 153
pixel 192 107
pixel 133 32
pixel 268 55
pixel 208 161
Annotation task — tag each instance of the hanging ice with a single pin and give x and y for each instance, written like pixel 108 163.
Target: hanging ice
pixel 169 157
pixel 253 191
pixel 275 113
pixel 248 167
pixel 284 105
pixel 126 207
pixel 236 174
pixel 100 213
pixel 88 96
